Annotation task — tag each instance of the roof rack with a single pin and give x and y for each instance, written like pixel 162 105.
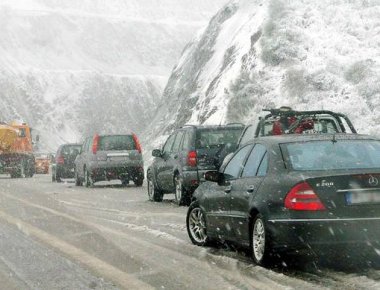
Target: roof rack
pixel 235 124
pixel 288 111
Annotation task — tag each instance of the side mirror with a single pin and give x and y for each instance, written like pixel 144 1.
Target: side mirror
pixel 215 176
pixel 156 153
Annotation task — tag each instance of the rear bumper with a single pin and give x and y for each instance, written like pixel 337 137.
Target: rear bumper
pixel 122 173
pixel 315 233
pixel 65 171
pixel 193 178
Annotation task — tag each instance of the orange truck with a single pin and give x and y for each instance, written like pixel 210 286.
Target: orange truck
pixel 16 150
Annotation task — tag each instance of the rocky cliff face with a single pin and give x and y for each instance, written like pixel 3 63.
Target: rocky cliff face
pixel 70 68
pixel 255 54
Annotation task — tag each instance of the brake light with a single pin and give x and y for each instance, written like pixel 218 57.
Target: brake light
pixel 303 197
pixel 60 160
pixel 192 159
pixel 137 143
pixel 95 143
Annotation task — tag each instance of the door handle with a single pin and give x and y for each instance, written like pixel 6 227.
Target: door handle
pixel 251 188
pixel 228 189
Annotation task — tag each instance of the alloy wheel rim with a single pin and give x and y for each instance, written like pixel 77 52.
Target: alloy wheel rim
pixel 197 225
pixel 178 189
pixel 258 240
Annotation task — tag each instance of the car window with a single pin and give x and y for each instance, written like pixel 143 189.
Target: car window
pixel 212 138
pixel 328 155
pixel 169 143
pixel 71 150
pixel 254 160
pixel 177 141
pixel 117 142
pixel 186 144
pixel 248 135
pixel 263 166
pixel 236 163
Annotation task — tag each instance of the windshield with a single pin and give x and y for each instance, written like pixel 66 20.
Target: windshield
pixel 217 137
pixel 328 155
pixel 119 142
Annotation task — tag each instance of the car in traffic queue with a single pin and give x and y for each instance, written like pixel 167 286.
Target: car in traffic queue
pixel 42 163
pixel 110 157
pixel 187 154
pixel 285 120
pixel 63 164
pixel 289 193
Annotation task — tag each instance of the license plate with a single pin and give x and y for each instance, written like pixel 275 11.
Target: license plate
pixel 120 158
pixel 362 197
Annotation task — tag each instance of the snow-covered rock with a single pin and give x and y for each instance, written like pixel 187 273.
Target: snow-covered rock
pixel 72 67
pixel 255 53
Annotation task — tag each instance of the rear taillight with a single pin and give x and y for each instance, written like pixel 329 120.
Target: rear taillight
pixel 60 160
pixel 303 197
pixel 95 143
pixel 192 159
pixel 137 143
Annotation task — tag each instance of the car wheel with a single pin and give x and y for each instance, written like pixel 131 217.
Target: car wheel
pixel 87 179
pixel 259 241
pixel 78 182
pixel 139 182
pixel 154 194
pixel 196 225
pixel 124 182
pixel 181 195
pixel 57 178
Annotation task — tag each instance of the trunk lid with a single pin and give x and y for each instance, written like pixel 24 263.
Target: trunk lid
pixel 349 195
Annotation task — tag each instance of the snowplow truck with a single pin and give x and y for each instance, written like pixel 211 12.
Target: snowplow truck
pixel 16 150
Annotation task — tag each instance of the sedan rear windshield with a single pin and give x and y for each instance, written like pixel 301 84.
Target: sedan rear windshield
pixel 119 142
pixel 216 137
pixel 329 155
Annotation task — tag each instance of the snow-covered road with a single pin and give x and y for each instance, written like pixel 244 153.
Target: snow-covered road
pixel 58 236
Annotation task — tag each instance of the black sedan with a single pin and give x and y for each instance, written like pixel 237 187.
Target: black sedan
pixel 292 192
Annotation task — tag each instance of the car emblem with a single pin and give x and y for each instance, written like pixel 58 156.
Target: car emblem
pixel 373 181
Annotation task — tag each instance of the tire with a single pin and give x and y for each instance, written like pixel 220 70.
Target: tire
pixel 260 241
pixel 78 182
pixel 88 182
pixel 154 194
pixel 125 182
pixel 182 196
pixel 196 225
pixel 139 182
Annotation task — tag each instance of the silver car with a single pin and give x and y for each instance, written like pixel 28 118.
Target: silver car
pixel 110 157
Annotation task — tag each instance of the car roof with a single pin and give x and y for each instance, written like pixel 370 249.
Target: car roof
pixel 230 125
pixel 291 138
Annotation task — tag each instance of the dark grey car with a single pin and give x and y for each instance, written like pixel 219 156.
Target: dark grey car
pixel 109 157
pixel 293 193
pixel 188 153
pixel 63 165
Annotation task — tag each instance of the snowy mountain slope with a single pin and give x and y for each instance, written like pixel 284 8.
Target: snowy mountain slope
pixel 256 54
pixel 66 63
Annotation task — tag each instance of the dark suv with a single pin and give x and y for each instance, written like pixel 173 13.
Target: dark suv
pixel 63 165
pixel 188 153
pixel 109 157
